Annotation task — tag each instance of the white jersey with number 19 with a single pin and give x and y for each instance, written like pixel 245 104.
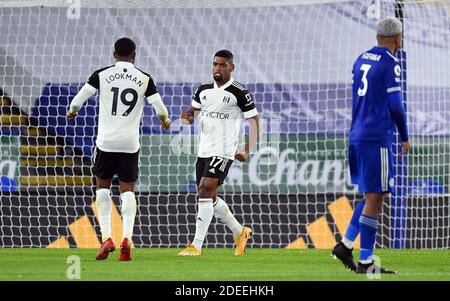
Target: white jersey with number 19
pixel 123 88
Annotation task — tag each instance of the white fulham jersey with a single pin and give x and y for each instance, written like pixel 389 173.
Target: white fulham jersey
pixel 123 89
pixel 221 111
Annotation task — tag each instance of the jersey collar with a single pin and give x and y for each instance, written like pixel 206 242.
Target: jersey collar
pixel 382 49
pixel 227 84
pixel 122 63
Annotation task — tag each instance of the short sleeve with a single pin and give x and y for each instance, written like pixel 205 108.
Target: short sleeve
pixel 94 80
pixel 392 78
pixel 246 103
pixel 196 103
pixel 151 87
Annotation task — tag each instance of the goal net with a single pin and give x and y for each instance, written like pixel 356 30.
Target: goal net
pixel 294 56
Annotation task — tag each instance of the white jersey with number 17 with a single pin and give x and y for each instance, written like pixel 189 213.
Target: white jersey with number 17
pixel 221 112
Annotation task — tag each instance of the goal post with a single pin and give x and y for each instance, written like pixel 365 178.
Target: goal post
pixel 399 195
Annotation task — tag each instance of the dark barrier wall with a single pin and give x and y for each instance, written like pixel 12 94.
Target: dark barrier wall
pixel 168 220
pixel 428 223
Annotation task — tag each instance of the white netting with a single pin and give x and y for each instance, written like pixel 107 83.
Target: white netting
pixel 428 101
pixel 296 59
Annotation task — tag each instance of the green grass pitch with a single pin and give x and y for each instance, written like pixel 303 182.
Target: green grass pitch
pixel 217 264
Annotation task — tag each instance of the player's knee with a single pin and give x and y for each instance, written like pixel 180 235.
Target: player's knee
pixel 103 183
pixel 208 187
pixel 374 198
pixel 102 195
pixel 206 191
pixel 127 187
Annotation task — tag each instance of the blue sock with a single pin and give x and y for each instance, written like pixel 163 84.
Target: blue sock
pixel 353 228
pixel 368 227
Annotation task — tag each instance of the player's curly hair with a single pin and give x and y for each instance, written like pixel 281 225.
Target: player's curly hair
pixel 124 47
pixel 225 54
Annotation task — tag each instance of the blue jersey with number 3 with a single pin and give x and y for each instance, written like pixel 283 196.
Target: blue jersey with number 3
pixel 376 73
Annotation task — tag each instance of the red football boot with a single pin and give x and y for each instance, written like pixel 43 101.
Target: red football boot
pixel 106 247
pixel 125 250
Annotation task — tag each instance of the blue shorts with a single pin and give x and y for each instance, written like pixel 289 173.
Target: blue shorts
pixel 371 168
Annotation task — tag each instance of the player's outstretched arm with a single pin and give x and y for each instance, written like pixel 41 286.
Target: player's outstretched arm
pixel 242 155
pixel 77 102
pixel 160 109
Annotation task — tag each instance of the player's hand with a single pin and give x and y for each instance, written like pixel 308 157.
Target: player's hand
pixel 165 124
pixel 71 115
pixel 241 156
pixel 187 118
pixel 405 146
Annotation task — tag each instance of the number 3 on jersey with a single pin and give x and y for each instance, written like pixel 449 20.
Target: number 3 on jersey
pixel 365 68
pixel 123 99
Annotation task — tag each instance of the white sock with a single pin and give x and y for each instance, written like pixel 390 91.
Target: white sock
pixel 128 213
pixel 223 213
pixel 103 203
pixel 347 242
pixel 204 217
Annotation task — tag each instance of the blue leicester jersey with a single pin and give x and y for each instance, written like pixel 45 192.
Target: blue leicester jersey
pixel 376 74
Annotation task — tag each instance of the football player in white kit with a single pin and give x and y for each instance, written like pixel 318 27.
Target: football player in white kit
pixel 123 89
pixel 220 105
